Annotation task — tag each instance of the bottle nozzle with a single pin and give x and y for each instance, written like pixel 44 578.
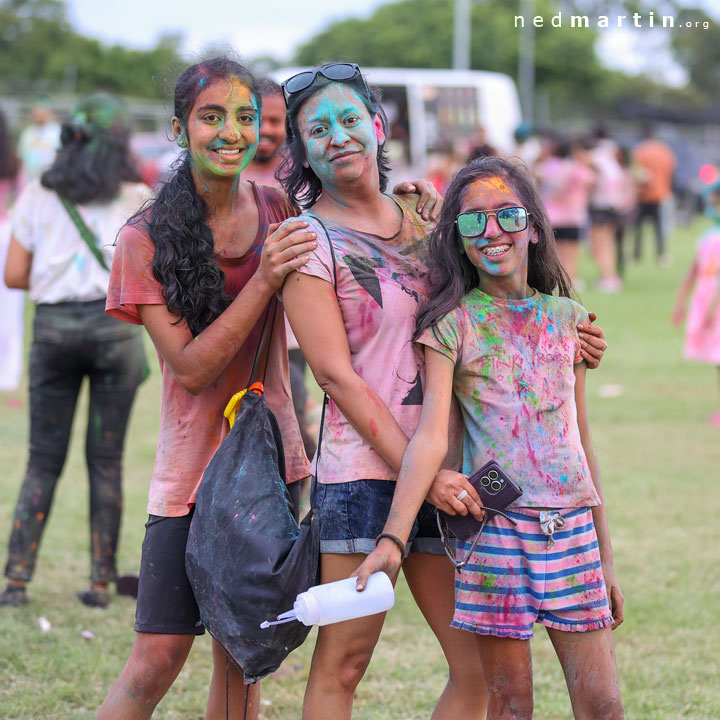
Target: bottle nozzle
pixel 285 617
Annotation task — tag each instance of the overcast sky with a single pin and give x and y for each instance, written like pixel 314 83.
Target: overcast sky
pixel 253 27
pixel 277 27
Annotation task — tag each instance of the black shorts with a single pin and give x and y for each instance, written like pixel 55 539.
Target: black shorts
pixel 604 216
pixel 567 234
pixel 166 603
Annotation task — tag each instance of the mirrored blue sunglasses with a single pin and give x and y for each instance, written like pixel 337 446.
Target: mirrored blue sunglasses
pixel 511 219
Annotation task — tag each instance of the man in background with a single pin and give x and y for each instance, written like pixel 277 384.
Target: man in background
pixel 268 157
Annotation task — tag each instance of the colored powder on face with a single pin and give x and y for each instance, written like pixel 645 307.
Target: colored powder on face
pixel 336 118
pixel 239 103
pixel 497 184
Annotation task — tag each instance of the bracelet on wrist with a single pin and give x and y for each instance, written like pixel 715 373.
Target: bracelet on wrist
pixel 395 539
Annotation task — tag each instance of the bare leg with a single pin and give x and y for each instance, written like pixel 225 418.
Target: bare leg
pixel 602 243
pixel 154 663
pixel 342 652
pixel 432 582
pixel 508 673
pixel 588 661
pixel 228 689
pixel 569 253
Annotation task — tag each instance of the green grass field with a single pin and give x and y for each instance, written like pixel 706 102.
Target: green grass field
pixel 660 462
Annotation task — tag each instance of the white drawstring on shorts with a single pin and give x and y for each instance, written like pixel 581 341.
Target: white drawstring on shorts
pixel 549 523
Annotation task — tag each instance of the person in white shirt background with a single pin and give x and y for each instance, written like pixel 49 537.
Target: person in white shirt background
pixel 63 230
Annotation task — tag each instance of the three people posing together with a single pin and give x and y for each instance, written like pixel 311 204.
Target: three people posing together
pixel 198 268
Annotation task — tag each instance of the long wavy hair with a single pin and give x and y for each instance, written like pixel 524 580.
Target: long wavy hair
pixel 9 164
pixel 184 261
pixel 301 184
pixel 94 158
pixel 453 275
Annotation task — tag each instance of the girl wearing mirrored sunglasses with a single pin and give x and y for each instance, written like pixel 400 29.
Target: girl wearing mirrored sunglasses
pixel 352 308
pixel 499 332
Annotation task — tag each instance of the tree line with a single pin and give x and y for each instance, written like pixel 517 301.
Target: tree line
pixel 41 52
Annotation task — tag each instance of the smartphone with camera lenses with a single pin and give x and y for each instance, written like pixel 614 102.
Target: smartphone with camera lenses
pixel 496 490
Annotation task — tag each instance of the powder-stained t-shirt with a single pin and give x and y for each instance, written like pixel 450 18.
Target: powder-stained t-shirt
pixel 515 383
pixel 192 426
pixel 380 282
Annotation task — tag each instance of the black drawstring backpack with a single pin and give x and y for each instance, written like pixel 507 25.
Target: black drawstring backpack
pixel 247 558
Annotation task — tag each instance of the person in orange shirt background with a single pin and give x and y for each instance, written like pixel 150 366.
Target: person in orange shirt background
pixel 657 163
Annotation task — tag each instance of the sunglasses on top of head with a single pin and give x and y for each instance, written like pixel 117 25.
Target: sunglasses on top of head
pixel 331 71
pixel 511 219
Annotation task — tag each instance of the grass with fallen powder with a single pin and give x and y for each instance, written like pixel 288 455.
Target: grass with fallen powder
pixel 660 463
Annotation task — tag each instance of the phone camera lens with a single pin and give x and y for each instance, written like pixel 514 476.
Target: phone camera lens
pixel 495 485
pixel 493 475
pixel 485 481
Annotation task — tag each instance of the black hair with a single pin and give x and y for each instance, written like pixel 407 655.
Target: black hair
pixel 9 164
pixel 452 274
pixel 94 158
pixel 561 146
pixel 184 261
pixel 301 184
pixel 269 87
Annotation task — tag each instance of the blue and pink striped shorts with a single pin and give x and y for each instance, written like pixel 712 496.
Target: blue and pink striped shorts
pixel 517 576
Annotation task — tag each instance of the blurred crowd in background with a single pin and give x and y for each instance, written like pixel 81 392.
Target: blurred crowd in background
pixel 598 192
pixel 612 199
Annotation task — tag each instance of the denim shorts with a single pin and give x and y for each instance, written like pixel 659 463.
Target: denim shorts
pixel 353 514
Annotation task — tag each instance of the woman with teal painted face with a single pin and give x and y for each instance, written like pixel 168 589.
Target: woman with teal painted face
pixel 352 307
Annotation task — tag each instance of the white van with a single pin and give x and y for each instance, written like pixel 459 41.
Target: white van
pixel 431 111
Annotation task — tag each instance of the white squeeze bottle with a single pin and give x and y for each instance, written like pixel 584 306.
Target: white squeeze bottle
pixel 338 601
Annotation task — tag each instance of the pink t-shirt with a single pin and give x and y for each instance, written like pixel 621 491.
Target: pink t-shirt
pixel 565 189
pixel 515 384
pixel 380 282
pixel 192 426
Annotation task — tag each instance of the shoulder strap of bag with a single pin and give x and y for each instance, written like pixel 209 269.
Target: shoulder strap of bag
pixel 325 397
pixel 262 352
pixel 85 232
